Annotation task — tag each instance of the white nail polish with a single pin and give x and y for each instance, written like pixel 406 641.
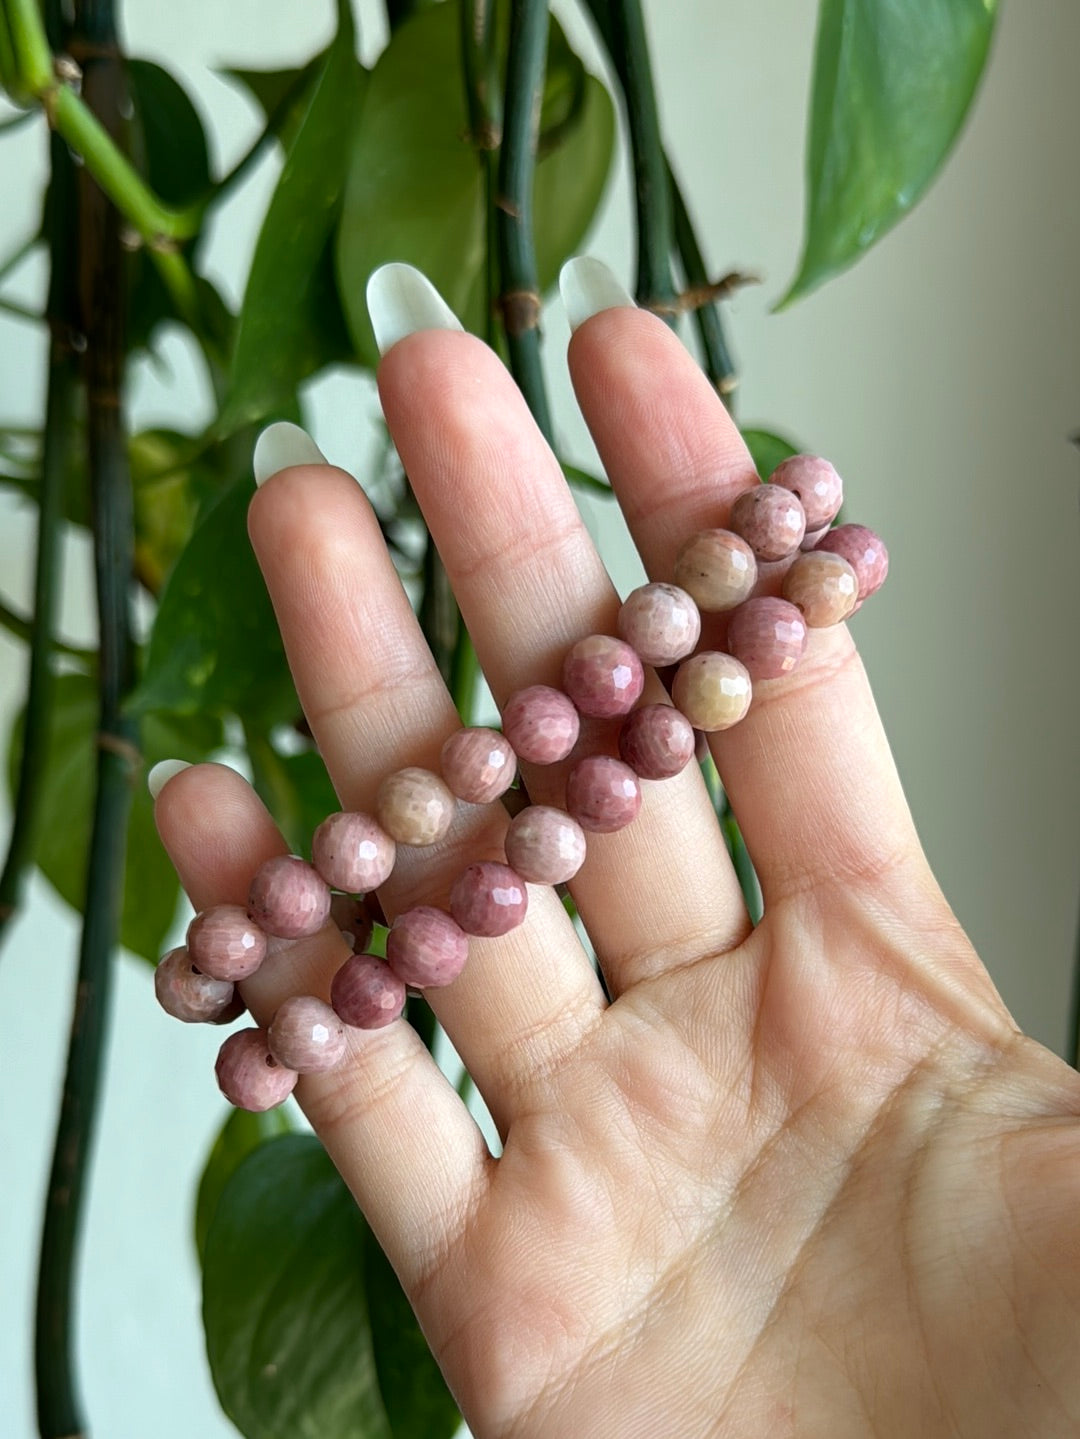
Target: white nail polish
pixel 401 300
pixel 162 773
pixel 281 445
pixel 588 286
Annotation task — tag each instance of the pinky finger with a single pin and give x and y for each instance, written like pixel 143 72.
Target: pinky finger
pixel 395 1128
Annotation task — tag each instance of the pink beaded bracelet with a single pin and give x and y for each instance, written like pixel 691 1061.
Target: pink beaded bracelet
pixel 831 572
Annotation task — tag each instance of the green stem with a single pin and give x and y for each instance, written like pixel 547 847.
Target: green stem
pixel 519 299
pixel 718 363
pixel 398 11
pixel 22 627
pixel 483 97
pixel 33 54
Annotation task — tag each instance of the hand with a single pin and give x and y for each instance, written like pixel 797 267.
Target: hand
pixel 805 1179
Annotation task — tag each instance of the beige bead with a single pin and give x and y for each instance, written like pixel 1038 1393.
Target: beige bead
pixel 414 806
pixel 712 690
pixel 716 568
pixel 823 586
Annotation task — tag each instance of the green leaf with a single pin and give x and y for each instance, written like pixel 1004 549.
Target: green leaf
pixel 283 95
pixel 215 646
pixel 295 788
pixel 415 188
pixel 242 1132
pixel 290 323
pixel 151 889
pixel 767 450
pixel 893 80
pixel 582 480
pixel 290 1290
pixel 168 141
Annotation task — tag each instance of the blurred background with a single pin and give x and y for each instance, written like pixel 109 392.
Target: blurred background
pixel 942 376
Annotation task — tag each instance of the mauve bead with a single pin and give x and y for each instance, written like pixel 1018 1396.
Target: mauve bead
pixel 603 676
pixel 717 569
pixel 657 742
pixel 426 947
pixel 306 1035
pixel 288 898
pixel 489 899
pixel 224 943
pixel 353 853
pixel 366 993
pixel 414 806
pixel 823 586
pixel 602 793
pixel 187 993
pixel 545 845
pixel 478 764
pixel 713 690
pixel 770 520
pixel 249 1076
pixel 864 551
pixel 768 636
pixel 541 724
pixel 351 917
pixel 661 622
pixel 817 485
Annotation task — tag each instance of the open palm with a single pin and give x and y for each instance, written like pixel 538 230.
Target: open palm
pixel 805 1179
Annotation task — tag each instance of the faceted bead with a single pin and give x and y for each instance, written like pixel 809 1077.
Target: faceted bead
pixel 602 793
pixel 249 1076
pixel 713 690
pixel 768 636
pixel 661 622
pixel 187 993
pixel 414 806
pixel 545 845
pixel 771 521
pixel 366 993
pixel 489 899
pixel 224 943
pixel 824 586
pixel 817 485
pixel 717 568
pixel 657 741
pixel 306 1035
pixel 603 676
pixel 426 947
pixel 353 853
pixel 864 551
pixel 288 898
pixel 478 764
pixel 233 1010
pixel 541 724
pixel 351 917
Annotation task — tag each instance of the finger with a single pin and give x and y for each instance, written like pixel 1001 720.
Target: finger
pixel 395 1128
pixel 530 583
pixel 376 702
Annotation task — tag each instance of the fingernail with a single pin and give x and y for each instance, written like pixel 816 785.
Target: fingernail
pixel 401 300
pixel 588 286
pixel 281 445
pixel 162 773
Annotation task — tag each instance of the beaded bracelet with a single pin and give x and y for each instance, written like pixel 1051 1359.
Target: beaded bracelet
pixel 831 572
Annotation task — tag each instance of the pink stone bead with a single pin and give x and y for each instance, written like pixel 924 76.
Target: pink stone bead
pixel 864 551
pixel 823 586
pixel 661 622
pixel 770 520
pixel 351 917
pixel 657 741
pixel 352 852
pixel 414 806
pixel 249 1076
pixel 187 993
pixel 768 636
pixel 489 899
pixel 366 993
pixel 288 898
pixel 306 1035
pixel 817 485
pixel 541 724
pixel 713 690
pixel 478 764
pixel 545 845
pixel 717 569
pixel 426 947
pixel 602 793
pixel 224 943
pixel 813 538
pixel 603 676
